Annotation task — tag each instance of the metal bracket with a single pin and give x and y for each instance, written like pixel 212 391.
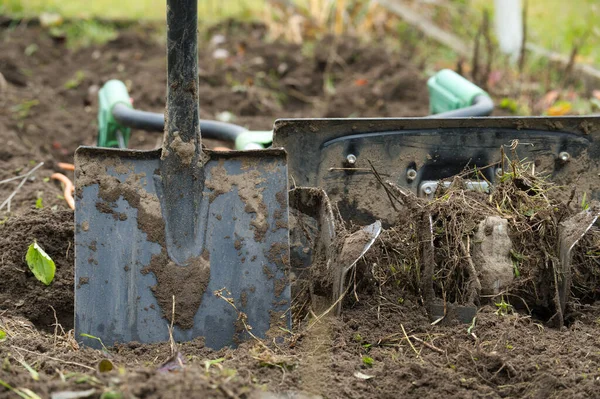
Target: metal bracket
pixel 428 187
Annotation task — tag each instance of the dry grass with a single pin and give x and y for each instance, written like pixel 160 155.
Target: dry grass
pixel 434 260
pixel 302 21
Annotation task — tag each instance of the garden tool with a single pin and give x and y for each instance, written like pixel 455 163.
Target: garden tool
pixel 451 96
pixel 180 237
pixel 420 154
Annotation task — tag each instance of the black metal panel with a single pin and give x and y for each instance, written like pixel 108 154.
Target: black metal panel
pixel 434 149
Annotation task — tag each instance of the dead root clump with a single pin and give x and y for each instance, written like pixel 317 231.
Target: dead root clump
pixel 586 268
pixel 429 252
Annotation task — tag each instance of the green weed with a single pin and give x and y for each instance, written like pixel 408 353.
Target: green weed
pixel 85 33
pixel 504 308
pixel 23 393
pixel 75 81
pixel 209 363
pixel 39 204
pixel 21 111
pixel 97 339
pixel 585 205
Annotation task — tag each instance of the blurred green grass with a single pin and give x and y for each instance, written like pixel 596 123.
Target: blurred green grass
pixel 553 24
pixel 558 24
pixel 152 10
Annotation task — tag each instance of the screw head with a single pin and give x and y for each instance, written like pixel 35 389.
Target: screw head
pixel 564 156
pixel 427 190
pixel 411 174
pixel 351 159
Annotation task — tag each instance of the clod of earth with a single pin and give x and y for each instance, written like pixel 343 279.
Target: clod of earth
pixel 187 284
pixel 492 255
pixel 249 191
pixel 185 151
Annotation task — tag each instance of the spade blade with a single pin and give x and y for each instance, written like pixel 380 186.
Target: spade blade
pixel 125 279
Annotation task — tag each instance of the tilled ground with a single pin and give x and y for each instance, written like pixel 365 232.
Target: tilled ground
pixel 382 346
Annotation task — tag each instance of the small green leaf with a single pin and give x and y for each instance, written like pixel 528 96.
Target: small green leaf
pixel 40 264
pixel 34 374
pixel 5 385
pixel 2 335
pixel 208 363
pixel 584 203
pixel 517 256
pixel 26 393
pixel 509 104
pixel 74 82
pixel 111 395
pixel 104 348
pixel 39 204
pixel 516 269
pixel 23 393
pixel 31 49
pixel 472 326
pixel 368 361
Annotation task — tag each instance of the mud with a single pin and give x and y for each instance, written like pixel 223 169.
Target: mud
pixel 249 191
pixel 353 246
pixel 185 151
pixel 92 170
pixel 186 285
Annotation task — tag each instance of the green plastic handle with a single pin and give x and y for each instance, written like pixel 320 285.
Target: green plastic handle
pixel 112 93
pixel 449 91
pixel 254 140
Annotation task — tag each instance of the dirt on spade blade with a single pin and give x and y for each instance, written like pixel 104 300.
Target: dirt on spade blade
pixel 384 343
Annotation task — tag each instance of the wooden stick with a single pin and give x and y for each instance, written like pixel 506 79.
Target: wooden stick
pixel 427 344
pixel 410 342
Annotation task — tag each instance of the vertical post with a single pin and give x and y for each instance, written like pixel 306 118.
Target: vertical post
pixel 508 16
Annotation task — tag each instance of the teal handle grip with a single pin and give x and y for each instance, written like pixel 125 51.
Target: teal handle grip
pixel 449 91
pixel 112 93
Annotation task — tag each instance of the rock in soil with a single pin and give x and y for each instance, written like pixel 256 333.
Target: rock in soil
pixel 491 255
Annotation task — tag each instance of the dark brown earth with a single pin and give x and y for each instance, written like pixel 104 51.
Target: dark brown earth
pixel 383 345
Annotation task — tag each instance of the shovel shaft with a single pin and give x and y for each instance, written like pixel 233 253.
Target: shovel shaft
pixel 181 181
pixel 182 128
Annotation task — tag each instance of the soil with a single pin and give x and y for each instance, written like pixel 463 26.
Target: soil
pixel 383 345
pixel 187 284
pixel 20 292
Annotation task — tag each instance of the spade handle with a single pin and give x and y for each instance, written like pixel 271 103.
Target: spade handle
pixel 182 128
